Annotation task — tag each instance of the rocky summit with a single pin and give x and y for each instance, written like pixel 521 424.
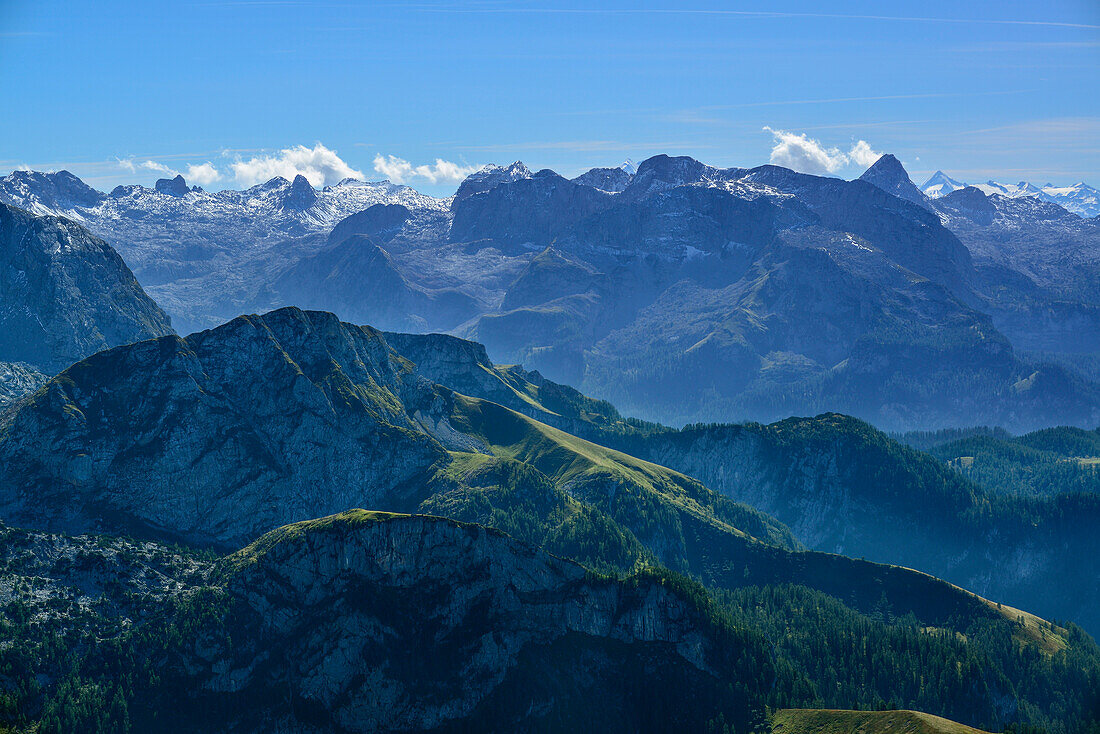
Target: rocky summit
pixel 65 294
pixel 213 434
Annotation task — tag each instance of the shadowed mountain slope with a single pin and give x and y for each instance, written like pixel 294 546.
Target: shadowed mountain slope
pixel 65 294
pixel 222 436
pixel 838 483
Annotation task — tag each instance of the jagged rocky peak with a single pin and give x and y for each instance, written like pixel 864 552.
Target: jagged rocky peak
pixel 272 185
pixel 72 190
pixel 490 177
pixel 664 172
pixel 300 195
pixel 886 168
pixel 270 387
pixel 172 186
pixel 669 171
pixel 890 175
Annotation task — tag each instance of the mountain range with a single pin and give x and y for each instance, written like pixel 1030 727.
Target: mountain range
pixel 840 485
pixel 1080 198
pixel 678 291
pixel 214 477
pixel 173 235
pixel 212 455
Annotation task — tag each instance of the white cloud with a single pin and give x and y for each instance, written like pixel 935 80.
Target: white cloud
pixel 862 154
pixel 203 174
pixel 129 164
pixel 799 152
pixel 320 166
pixel 160 168
pixel 401 171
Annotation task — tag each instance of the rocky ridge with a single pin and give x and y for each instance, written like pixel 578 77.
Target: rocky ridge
pixel 696 270
pixel 179 239
pixel 486 608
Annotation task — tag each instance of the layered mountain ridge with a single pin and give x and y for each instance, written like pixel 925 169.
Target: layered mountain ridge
pixel 1080 198
pixel 172 235
pixel 839 484
pixel 219 438
pixel 274 419
pixel 679 291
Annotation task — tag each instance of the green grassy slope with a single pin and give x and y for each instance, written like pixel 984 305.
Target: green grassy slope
pixel 833 721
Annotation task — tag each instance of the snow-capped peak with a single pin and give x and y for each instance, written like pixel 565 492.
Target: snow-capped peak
pixel 940 184
pixel 1081 199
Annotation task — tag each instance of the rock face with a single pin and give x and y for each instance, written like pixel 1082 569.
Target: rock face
pixel 889 175
pixel 301 194
pixel 375 622
pixel 65 294
pixel 365 622
pixel 17 380
pixel 526 213
pixel 969 203
pixel 167 435
pixel 172 186
pixel 379 222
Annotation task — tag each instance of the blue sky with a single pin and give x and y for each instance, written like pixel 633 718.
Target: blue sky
pixel 119 92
